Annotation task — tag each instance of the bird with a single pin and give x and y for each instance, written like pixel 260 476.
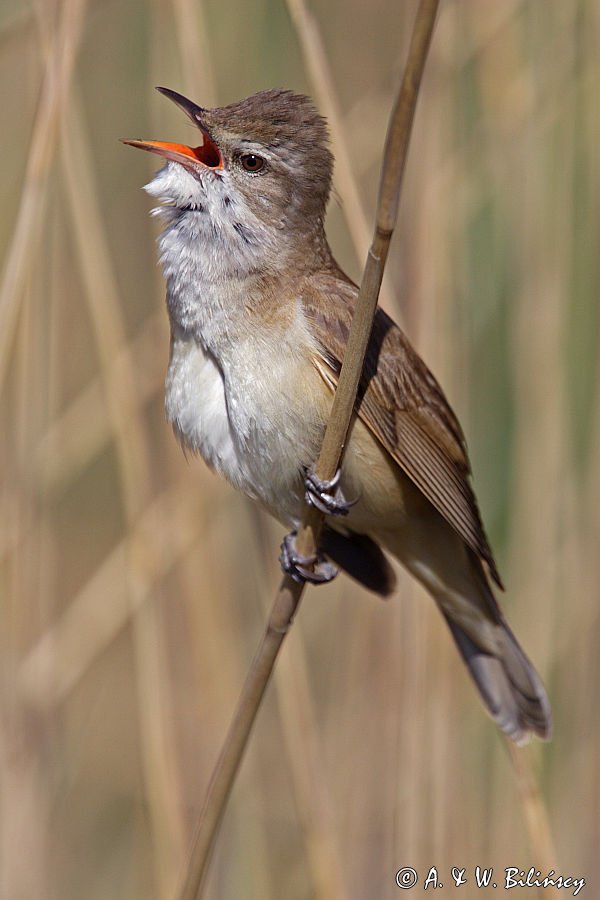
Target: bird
pixel 260 314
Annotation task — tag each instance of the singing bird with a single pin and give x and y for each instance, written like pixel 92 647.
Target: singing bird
pixel 260 313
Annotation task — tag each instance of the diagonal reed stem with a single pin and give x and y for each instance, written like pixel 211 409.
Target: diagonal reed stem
pixel 290 593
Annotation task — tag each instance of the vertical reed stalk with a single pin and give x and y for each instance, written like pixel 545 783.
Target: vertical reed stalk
pixel 290 592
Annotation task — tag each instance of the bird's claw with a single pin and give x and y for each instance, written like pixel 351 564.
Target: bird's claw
pixel 326 494
pixel 313 569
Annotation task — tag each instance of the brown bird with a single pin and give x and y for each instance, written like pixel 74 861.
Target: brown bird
pixel 260 313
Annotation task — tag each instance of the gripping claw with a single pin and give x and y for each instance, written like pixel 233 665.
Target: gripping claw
pixel 314 569
pixel 325 494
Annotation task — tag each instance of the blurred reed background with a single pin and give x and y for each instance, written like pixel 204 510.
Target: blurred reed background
pixel 134 583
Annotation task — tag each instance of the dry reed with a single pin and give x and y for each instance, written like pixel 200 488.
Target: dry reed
pixel 495 270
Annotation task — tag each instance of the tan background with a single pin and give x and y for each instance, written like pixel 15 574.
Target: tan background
pixel 133 583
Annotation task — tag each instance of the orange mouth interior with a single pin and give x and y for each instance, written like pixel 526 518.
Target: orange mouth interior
pixel 207 153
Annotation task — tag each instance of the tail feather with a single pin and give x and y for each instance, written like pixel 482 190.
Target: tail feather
pixel 508 683
pixel 455 577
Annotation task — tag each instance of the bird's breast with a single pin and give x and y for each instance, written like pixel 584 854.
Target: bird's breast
pixel 255 413
pixel 195 405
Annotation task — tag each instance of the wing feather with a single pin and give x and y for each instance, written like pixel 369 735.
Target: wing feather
pixel 403 405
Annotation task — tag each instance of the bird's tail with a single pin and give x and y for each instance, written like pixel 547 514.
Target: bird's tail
pixel 507 681
pixel 454 575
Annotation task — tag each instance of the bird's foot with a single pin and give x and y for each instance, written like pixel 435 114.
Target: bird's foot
pixel 315 569
pixel 326 494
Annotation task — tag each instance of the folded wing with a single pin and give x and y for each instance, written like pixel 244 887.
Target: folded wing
pixel 405 408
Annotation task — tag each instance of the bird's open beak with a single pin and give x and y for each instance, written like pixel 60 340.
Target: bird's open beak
pixel 207 153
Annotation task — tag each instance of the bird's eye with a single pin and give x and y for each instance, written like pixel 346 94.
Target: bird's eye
pixel 252 163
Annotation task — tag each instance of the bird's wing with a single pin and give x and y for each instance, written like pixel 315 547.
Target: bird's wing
pixel 403 405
